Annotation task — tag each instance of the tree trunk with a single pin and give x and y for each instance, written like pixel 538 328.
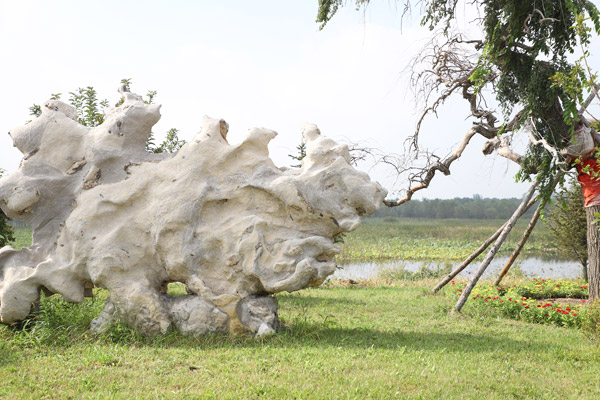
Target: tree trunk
pixel 593 240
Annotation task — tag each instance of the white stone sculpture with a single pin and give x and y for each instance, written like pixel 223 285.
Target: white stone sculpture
pixel 220 218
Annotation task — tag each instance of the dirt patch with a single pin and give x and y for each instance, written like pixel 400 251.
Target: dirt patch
pixel 564 301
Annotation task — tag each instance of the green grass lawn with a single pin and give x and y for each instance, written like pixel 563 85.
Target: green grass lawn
pixel 366 341
pixel 338 343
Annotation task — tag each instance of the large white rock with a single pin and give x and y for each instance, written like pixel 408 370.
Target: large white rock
pixel 220 218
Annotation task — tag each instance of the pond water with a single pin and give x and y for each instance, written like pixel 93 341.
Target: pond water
pixel 531 267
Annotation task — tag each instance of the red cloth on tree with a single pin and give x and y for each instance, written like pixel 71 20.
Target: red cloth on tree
pixel 590 184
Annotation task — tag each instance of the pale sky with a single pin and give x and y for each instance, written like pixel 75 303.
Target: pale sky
pixel 252 63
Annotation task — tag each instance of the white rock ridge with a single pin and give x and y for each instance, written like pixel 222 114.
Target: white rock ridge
pixel 220 218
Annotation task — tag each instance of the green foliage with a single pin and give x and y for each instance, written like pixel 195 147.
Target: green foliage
pixel 35 110
pixel 171 144
pixel 299 156
pixel 57 322
pixel 328 8
pixel 22 235
pixel 439 12
pixel 90 113
pixel 539 289
pixel 90 110
pixel 566 221
pixel 525 60
pixel 580 78
pixel 425 271
pixel 527 45
pixel 126 84
pixel 6 231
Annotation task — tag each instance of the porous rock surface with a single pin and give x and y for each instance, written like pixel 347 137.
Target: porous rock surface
pixel 221 219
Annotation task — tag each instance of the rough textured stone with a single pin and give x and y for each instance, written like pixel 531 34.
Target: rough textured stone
pixel 220 218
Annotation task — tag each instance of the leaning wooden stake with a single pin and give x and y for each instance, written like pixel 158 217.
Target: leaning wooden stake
pixel 477 252
pixel 585 105
pixel 526 234
pixel 520 245
pixel 468 261
pixel 490 255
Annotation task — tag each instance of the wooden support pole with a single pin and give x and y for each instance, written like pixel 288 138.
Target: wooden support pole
pixel 477 252
pixel 490 255
pixel 585 105
pixel 520 245
pixel 468 261
pixel 525 236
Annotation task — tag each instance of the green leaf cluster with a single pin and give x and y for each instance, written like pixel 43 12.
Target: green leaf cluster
pixel 528 45
pixel 171 144
pixel 90 112
pixel 299 156
pixel 328 8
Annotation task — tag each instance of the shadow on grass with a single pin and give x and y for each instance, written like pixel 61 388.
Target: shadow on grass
pixel 321 336
pixel 299 332
pixel 308 335
pixel 294 301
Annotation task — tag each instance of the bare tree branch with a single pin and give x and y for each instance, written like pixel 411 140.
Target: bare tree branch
pixel 451 66
pixel 502 145
pixel 542 20
pixel 532 132
pixel 441 70
pixel 426 175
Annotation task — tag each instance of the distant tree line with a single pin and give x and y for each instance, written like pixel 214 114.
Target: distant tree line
pixel 474 207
